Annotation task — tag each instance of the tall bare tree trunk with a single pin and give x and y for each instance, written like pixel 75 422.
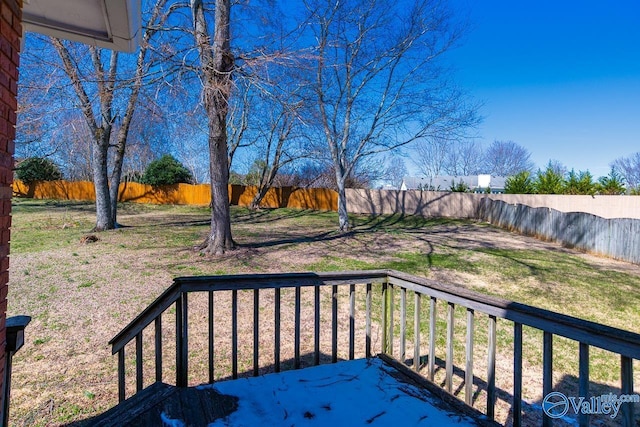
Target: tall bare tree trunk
pixel 104 217
pixel 116 175
pixel 343 214
pixel 216 64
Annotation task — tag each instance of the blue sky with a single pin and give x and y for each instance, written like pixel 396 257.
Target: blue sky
pixel 561 78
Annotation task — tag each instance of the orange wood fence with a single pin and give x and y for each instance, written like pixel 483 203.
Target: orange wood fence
pixel 182 194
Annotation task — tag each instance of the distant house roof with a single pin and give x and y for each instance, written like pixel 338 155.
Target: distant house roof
pixel 445 182
pixel 113 24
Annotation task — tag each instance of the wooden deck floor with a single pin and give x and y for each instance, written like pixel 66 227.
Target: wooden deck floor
pixel 196 407
pixel 162 404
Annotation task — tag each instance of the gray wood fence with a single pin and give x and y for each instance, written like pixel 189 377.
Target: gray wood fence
pixel 616 238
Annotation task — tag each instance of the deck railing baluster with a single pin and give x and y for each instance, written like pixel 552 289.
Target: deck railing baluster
pixel 234 333
pixel 448 381
pixel 491 369
pixel 211 338
pixel 352 321
pixel 316 331
pixel 416 331
pixel 121 376
pixel 383 320
pixel 391 320
pixel 296 337
pixel 276 340
pixel 181 345
pixel 139 360
pixel 158 346
pixel 368 322
pixel 178 340
pixel 334 324
pixel 256 331
pixel 403 323
pixel 432 338
pixel 185 340
pixel 468 373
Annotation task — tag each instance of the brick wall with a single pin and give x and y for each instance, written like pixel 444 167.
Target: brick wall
pixel 10 33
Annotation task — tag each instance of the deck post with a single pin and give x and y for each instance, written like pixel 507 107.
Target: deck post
pixel 516 408
pixel 547 373
pixel 583 385
pixel 626 374
pixel 182 345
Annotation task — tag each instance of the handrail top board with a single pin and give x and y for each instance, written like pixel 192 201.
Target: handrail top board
pixel 618 340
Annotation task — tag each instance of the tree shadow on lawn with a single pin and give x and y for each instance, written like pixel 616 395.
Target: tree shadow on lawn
pixel 33 205
pixel 267 215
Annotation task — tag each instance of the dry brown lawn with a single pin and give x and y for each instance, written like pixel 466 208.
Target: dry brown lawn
pixel 81 294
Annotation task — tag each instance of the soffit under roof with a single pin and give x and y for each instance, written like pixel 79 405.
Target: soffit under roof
pixel 113 24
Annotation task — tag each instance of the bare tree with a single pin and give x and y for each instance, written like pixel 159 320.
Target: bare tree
pixel 77 158
pixel 216 66
pixel 241 110
pixel 276 154
pixel 396 171
pixel 378 85
pixel 433 156
pixel 507 158
pixel 629 168
pixel 464 158
pixel 148 139
pixel 106 92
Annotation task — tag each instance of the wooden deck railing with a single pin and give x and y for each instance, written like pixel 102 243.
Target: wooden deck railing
pixel 381 316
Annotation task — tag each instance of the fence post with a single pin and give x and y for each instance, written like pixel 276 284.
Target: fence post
pixel 15 327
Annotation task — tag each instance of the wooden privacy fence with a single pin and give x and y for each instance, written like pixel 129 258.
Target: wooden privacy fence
pixel 374 202
pixel 325 317
pixel 182 194
pixel 616 238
